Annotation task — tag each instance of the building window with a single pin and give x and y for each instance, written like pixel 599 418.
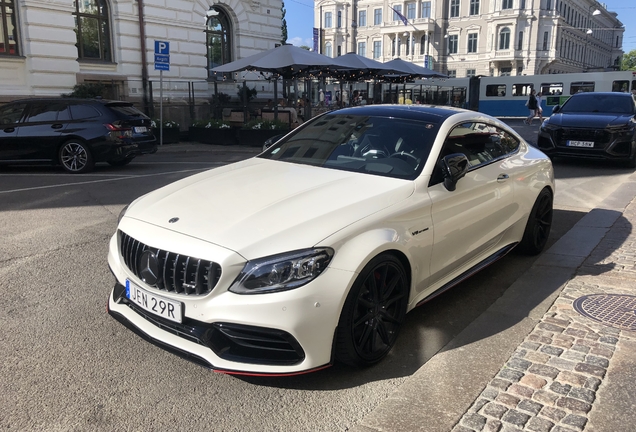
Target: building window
pixel 8 31
pixel 410 10
pixel 377 49
pixel 423 45
pixel 92 28
pixel 504 39
pixel 328 49
pixel 452 74
pixel 426 9
pixel 362 18
pixel 454 8
pixel 328 23
pixel 472 42
pixel 546 35
pixel 506 71
pixel 506 4
pixel 339 19
pixel 474 7
pixel 377 16
pixel 396 9
pixel 471 72
pixel 520 41
pixel 362 49
pixel 217 38
pixel 339 50
pixel 548 4
pixel 452 44
pixel 522 4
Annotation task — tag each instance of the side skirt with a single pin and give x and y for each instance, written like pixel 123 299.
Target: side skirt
pixel 468 273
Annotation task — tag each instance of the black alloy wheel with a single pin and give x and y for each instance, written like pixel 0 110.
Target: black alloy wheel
pixel 75 157
pixel 373 312
pixel 538 226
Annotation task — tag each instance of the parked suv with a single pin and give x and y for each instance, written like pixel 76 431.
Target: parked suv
pixel 75 133
pixel 592 125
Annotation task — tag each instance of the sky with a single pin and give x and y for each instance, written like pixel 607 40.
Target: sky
pixel 300 19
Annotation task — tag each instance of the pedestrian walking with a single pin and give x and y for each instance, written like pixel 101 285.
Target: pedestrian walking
pixel 532 106
pixel 539 111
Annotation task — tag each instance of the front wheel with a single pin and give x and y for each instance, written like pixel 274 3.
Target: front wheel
pixel 538 226
pixel 373 312
pixel 75 157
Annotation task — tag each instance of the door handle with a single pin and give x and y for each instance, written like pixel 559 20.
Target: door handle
pixel 502 178
pixel 57 126
pixel 9 130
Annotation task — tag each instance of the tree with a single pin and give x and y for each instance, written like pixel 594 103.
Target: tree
pixel 305 47
pixel 629 61
pixel 284 24
pixel 87 90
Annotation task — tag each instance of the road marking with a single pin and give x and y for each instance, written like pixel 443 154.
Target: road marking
pixel 129 177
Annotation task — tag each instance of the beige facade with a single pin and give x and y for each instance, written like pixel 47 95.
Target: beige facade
pixel 475 37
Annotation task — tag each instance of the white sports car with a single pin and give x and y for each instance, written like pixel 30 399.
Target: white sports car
pixel 313 251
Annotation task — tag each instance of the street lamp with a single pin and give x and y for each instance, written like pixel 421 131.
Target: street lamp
pixel 589 31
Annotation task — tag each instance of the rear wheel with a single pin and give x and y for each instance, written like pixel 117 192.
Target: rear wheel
pixel 373 312
pixel 121 162
pixel 538 226
pixel 75 157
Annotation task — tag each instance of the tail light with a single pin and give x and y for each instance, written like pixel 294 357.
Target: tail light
pixel 119 131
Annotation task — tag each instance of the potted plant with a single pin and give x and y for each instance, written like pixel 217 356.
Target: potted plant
pixel 171 130
pixel 255 132
pixel 212 132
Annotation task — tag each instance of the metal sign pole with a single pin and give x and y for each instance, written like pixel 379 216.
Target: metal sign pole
pixel 161 107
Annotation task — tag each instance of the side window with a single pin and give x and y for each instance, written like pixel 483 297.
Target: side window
pixel 47 112
pixel 496 90
pixel 11 113
pixel 82 112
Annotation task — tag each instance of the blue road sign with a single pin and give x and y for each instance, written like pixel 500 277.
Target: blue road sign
pixel 162 58
pixel 162 47
pixel 162 66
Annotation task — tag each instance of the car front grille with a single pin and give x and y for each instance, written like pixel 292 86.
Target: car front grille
pixel 177 273
pixel 599 136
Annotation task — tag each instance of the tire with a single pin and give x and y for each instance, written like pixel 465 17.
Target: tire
pixel 538 226
pixel 373 312
pixel 121 162
pixel 75 157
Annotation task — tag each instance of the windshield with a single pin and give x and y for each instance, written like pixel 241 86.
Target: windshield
pixel 599 103
pixel 384 146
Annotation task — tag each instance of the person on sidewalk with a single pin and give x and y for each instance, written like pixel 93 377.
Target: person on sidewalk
pixel 539 112
pixel 532 106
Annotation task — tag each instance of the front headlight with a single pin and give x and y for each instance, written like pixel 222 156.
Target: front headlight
pixel 282 272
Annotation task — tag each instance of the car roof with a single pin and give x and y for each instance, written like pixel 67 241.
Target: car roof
pixel 429 113
pixel 617 94
pixel 64 99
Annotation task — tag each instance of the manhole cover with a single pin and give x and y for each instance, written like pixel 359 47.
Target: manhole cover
pixel 612 309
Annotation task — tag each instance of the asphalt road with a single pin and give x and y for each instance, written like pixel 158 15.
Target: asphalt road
pixel 66 365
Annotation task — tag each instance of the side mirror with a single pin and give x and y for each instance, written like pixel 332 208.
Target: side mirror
pixel 556 109
pixel 454 167
pixel 271 141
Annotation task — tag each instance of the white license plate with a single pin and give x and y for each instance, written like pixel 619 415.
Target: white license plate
pixel 140 129
pixel 161 306
pixel 580 143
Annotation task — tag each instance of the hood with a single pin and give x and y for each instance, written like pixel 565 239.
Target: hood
pixel 261 207
pixel 589 120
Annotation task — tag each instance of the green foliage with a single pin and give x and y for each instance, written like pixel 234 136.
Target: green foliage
pixel 265 125
pixel 305 47
pixel 283 39
pixel 629 61
pixel 167 124
pixel 221 98
pixel 211 124
pixel 87 91
pixel 251 93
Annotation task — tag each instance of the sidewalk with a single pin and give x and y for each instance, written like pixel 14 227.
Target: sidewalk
pixel 533 361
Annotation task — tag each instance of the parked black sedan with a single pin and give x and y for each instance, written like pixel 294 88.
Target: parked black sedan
pixel 592 125
pixel 74 133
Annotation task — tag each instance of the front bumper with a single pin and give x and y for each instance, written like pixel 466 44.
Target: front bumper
pixel 282 333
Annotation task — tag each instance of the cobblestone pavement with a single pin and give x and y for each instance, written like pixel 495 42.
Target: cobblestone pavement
pixel 550 382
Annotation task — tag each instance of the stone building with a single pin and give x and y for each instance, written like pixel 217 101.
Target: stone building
pixel 475 37
pixel 46 47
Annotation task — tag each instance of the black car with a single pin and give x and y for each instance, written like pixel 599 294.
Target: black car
pixel 592 125
pixel 75 133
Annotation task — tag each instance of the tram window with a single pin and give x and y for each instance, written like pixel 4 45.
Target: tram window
pixel 551 89
pixel 581 87
pixel 521 89
pixel 496 90
pixel 633 85
pixel 620 86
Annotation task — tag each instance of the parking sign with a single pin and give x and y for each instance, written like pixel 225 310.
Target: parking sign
pixel 162 55
pixel 162 48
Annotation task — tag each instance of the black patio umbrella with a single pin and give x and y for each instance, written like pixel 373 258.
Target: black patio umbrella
pixel 286 61
pixel 407 70
pixel 354 66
